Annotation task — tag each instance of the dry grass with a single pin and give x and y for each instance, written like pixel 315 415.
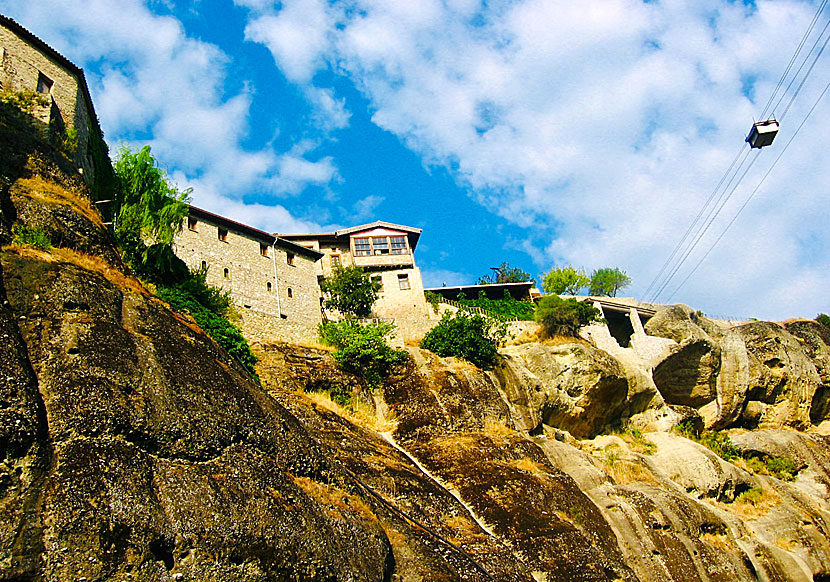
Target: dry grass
pixel 50 193
pixel 84 261
pixel 495 428
pixel 529 465
pixel 338 501
pixel 753 504
pixel 720 541
pixel 626 471
pixel 463 527
pixel 360 414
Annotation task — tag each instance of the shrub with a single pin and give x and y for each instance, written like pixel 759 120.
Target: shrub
pixel 720 444
pixel 23 101
pixel 564 316
pixel 823 319
pixel 362 349
pixel 433 299
pixel 507 307
pixel 472 337
pixel 30 237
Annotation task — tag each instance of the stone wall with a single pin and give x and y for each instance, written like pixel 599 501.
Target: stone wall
pixel 283 307
pixel 21 64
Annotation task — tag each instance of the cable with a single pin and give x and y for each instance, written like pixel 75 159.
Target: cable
pixel 807 74
pixel 734 218
pixel 795 76
pixel 794 57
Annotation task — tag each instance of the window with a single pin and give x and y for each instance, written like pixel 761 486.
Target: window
pixel 191 223
pixel 379 279
pixel 227 273
pixel 263 249
pixel 268 286
pixel 289 258
pixel 398 245
pixel 44 83
pixel 335 261
pixel 290 293
pixel 223 233
pixel 403 281
pixel 362 248
pixel 381 245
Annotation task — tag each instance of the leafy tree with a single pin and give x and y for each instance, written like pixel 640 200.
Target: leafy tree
pixel 351 291
pixel 608 281
pixel 472 337
pixel 152 211
pixel 564 316
pixel 504 274
pixel 565 280
pixel 823 319
pixel 362 349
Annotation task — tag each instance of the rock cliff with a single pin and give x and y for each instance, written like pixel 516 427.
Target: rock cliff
pixel 133 448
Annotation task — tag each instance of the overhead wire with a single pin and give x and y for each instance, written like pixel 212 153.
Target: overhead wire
pixel 752 194
pixel 694 234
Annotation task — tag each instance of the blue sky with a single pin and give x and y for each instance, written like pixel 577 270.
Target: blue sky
pixel 536 132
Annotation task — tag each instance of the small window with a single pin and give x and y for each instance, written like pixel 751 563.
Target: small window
pixel 227 273
pixel 398 245
pixel 381 245
pixel 290 293
pixel 191 223
pixel 403 281
pixel 44 83
pixel 263 249
pixel 335 261
pixel 362 248
pixel 268 286
pixel 204 264
pixel 289 258
pixel 223 233
pixel 379 279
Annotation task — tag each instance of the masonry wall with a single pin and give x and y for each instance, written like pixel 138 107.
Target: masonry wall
pixel 283 307
pixel 20 64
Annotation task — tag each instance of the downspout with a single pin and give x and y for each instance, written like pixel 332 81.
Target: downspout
pixel 276 279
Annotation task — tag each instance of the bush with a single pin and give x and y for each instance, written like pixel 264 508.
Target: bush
pixel 433 299
pixel 720 444
pixel 507 307
pixel 30 237
pixel 564 316
pixel 362 349
pixel 823 319
pixel 472 337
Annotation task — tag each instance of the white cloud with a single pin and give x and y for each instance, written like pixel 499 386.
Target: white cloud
pixel 611 120
pixel 364 209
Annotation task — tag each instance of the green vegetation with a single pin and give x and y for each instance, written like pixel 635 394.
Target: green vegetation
pixel 637 441
pixel 783 468
pixel 152 212
pixel 351 291
pixel 433 299
pixel 504 273
pixel 564 317
pixel 608 281
pixel 23 101
pixel 30 237
pixel 362 349
pixel 751 496
pixel 565 280
pixel 507 307
pixel 823 319
pixel 472 337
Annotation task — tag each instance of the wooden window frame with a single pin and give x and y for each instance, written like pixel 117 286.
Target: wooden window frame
pixel 222 233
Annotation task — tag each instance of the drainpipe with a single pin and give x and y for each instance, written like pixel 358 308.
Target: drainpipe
pixel 276 279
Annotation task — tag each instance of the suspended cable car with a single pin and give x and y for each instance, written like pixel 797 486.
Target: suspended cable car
pixel 762 133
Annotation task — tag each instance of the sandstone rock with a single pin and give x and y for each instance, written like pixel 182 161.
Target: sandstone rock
pixel 815 340
pixel 577 387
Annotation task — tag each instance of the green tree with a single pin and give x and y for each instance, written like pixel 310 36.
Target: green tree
pixel 152 211
pixel 823 319
pixel 362 349
pixel 504 274
pixel 472 337
pixel 351 291
pixel 608 281
pixel 564 316
pixel 565 280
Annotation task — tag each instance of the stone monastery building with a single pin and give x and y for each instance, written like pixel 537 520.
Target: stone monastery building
pixel 61 100
pixel 275 279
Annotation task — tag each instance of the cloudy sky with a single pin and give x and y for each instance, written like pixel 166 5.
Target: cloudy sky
pixel 538 132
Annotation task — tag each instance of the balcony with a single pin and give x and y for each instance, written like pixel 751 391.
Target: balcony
pixel 385 260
